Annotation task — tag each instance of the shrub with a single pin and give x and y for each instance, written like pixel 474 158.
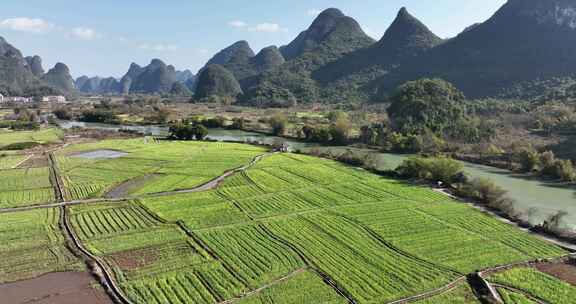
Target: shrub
pixel 238 123
pixel 486 192
pixel 340 131
pixel 62 114
pixel 434 169
pixel 529 160
pixel 188 131
pixel 278 124
pixel 20 146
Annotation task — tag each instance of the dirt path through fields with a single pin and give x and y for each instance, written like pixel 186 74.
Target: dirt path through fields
pixel 563 271
pixel 58 287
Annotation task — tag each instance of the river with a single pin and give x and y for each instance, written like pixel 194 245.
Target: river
pixel 529 194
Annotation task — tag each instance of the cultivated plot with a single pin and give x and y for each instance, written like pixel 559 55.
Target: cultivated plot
pixel 32 245
pixel 290 229
pixel 147 167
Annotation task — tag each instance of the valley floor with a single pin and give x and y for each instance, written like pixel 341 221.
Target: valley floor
pixel 232 223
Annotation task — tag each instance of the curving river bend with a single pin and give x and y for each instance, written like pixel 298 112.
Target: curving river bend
pixel 542 198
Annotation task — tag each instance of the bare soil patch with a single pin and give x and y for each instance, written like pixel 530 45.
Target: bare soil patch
pixel 126 187
pixel 134 259
pixel 54 288
pixel 138 258
pixel 35 161
pixel 563 271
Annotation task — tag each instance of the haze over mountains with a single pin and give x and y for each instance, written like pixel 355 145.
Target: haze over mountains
pixel 335 61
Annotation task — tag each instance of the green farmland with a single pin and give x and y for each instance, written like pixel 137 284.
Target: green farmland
pixel 43 136
pixel 32 245
pixel 27 186
pixel 287 229
pixel 149 167
pixel 531 282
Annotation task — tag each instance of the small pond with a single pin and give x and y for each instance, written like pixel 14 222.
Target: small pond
pixel 101 154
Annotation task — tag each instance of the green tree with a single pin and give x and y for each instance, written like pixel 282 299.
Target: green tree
pixel 426 104
pixel 434 169
pixel 340 130
pixel 529 160
pixel 238 123
pixel 334 116
pixel 200 132
pixel 278 124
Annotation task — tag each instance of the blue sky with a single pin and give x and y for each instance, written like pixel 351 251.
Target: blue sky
pixel 103 37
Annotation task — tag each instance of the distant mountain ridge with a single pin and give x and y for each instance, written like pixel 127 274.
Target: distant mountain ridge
pixel 215 80
pixel 16 76
pixel 244 64
pixel 331 36
pixel 406 38
pixel 525 42
pixel 156 78
pixel 59 77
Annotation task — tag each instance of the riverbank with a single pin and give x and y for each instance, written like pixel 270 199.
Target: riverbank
pixel 565 239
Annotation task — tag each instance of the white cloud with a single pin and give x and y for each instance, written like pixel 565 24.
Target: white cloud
pixel 313 12
pixel 237 24
pixel 268 28
pixel 158 47
pixel 24 24
pixel 84 33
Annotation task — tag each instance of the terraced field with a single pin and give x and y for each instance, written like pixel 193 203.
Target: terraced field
pixel 289 229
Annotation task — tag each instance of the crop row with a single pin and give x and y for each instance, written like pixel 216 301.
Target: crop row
pixel 76 191
pixel 368 270
pixel 240 186
pixel 24 179
pixel 537 283
pixel 32 245
pixel 153 262
pixel 304 287
pixel 441 240
pixel 197 210
pixel 276 204
pixel 460 295
pixel 97 223
pixel 10 161
pixel 476 222
pixel 48 135
pixel 253 254
pixel 173 165
pixel 509 297
pixel 18 198
pixel 148 261
pixel 209 283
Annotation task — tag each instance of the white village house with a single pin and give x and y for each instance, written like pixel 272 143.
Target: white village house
pixel 1 98
pixel 58 99
pixel 19 99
